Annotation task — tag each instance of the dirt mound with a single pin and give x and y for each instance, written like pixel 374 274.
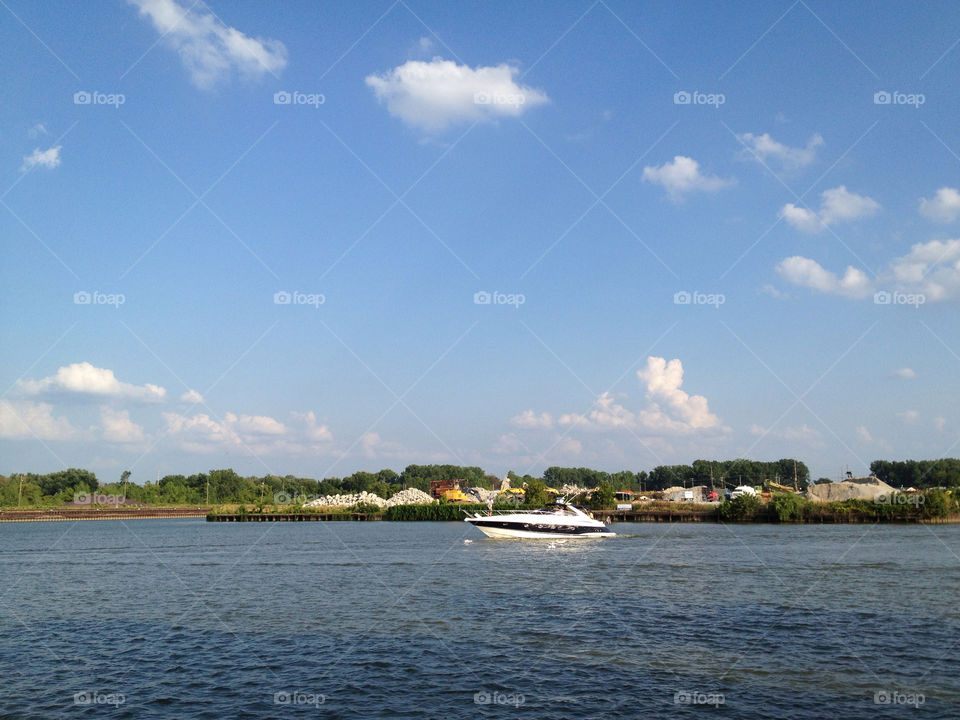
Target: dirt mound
pixel 863 488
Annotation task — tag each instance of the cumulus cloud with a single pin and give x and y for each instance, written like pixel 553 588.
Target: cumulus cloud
pixel 606 413
pixel 49 158
pixel 909 416
pixel 671 408
pixel 509 444
pixel 192 397
pixel 863 435
pixel 569 446
pixel 209 49
pixel 809 273
pixel 683 175
pixel 905 373
pixel 28 420
pixel 434 95
pixel 260 434
pixel 314 431
pixel 943 207
pixel 118 427
pixel 939 423
pixel 931 268
pixel 83 379
pixel 765 148
pixel 37 130
pixel 529 419
pixel 837 205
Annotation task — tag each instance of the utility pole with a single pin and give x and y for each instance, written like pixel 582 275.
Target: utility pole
pixel 20 491
pixel 795 488
pixel 208 489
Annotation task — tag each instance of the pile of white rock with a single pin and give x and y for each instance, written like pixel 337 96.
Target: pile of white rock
pixel 410 496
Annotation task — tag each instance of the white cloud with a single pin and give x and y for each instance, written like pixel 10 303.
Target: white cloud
pixel 809 273
pixel 569 446
pixel 49 158
pixel 669 410
pixel 773 292
pixel 260 434
pixel 909 416
pixel 939 423
pixel 943 207
pixel 670 407
pixel 606 413
pixel 837 205
pixel 905 373
pixel 765 148
pixel 37 130
pixel 85 379
pixel 932 269
pixel 315 432
pixel 27 420
pixel 434 95
pixel 683 175
pixel 118 427
pixel 529 419
pixel 208 48
pixel 192 397
pixel 864 435
pixel 509 444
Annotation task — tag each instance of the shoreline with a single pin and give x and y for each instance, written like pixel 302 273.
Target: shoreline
pixel 72 515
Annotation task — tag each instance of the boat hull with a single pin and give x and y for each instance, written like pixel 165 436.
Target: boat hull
pixel 494 529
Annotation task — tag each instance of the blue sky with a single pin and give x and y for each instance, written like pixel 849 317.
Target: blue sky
pixel 606 234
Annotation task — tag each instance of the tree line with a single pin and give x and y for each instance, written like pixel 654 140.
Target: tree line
pixel 227 486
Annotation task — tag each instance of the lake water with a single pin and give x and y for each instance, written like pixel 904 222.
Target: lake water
pixel 184 619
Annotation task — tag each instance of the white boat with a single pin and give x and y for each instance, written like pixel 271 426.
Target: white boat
pixel 562 520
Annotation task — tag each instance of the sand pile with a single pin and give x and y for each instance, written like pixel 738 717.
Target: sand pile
pixel 410 496
pixel 865 488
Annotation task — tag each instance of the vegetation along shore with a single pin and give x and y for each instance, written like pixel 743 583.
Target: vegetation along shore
pixel 705 491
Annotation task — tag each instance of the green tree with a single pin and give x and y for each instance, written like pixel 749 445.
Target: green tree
pixel 740 509
pixel 535 492
pixel 602 497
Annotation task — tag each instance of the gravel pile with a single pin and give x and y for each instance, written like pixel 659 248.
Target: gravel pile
pixel 410 496
pixel 866 488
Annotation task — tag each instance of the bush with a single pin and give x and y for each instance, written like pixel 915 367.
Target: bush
pixel 788 507
pixel 366 509
pixel 740 509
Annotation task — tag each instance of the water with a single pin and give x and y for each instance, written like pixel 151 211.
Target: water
pixel 184 619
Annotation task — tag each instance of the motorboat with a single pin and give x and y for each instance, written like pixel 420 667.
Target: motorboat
pixel 561 520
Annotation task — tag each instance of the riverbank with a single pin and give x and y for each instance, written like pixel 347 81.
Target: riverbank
pixel 108 513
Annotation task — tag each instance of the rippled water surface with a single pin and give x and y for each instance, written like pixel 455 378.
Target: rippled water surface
pixel 183 619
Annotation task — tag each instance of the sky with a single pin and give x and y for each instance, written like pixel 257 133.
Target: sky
pixel 312 238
